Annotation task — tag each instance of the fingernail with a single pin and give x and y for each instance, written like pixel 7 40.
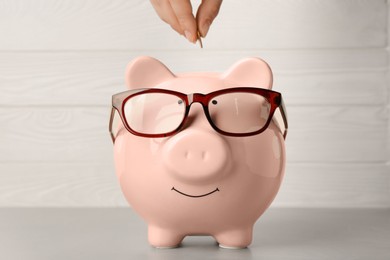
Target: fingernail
pixel 189 36
pixel 205 28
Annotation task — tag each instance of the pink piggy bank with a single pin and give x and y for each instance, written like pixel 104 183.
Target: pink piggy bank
pixel 199 153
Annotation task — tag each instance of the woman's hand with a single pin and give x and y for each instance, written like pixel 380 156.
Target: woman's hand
pixel 178 14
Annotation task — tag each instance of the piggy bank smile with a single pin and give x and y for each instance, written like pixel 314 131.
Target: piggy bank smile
pixel 194 196
pixel 199 153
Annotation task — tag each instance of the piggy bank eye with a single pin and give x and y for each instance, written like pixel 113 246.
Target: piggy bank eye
pixel 180 102
pixel 214 102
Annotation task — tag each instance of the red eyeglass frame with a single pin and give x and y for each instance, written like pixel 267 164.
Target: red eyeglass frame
pixel 274 98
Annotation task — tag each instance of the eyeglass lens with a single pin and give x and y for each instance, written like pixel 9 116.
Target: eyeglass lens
pixel 154 113
pixel 239 113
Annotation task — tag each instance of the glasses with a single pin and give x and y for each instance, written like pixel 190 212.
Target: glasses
pixel 242 111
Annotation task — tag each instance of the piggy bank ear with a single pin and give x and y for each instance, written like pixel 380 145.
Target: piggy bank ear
pixel 146 72
pixel 250 72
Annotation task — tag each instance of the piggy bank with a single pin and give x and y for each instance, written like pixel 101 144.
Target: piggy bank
pixel 199 153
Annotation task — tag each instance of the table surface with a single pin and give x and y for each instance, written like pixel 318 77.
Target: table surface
pixel 118 233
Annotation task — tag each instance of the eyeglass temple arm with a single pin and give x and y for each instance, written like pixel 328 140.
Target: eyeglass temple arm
pixel 110 125
pixel 117 100
pixel 284 116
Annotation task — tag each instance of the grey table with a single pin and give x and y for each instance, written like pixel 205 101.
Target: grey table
pixel 120 234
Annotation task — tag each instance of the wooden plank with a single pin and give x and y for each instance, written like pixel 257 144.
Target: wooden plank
pixel 58 134
pixel 63 134
pixel 334 88
pixel 326 77
pixel 95 185
pixel 335 185
pixel 59 185
pixel 336 134
pixel 250 24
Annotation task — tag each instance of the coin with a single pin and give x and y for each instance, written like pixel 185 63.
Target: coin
pixel 200 40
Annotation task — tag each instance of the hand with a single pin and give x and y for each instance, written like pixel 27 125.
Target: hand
pixel 178 14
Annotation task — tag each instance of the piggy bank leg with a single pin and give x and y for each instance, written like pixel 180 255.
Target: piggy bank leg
pixel 163 238
pixel 235 239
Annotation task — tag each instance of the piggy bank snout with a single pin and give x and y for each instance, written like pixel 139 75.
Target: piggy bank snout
pixel 196 156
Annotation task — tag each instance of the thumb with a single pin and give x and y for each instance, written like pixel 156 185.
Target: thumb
pixel 206 14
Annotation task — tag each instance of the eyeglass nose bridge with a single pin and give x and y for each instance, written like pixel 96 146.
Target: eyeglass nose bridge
pixel 196 98
pixel 201 99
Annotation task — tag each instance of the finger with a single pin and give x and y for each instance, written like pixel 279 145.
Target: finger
pixel 206 14
pixel 164 10
pixel 183 11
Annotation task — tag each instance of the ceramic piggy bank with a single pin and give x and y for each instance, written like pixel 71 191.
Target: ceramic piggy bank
pixel 199 153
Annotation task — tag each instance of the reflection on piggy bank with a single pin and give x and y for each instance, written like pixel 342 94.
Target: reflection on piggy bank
pixel 199 153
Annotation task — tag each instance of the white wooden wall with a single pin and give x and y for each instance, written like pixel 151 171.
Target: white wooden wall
pixel 60 62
